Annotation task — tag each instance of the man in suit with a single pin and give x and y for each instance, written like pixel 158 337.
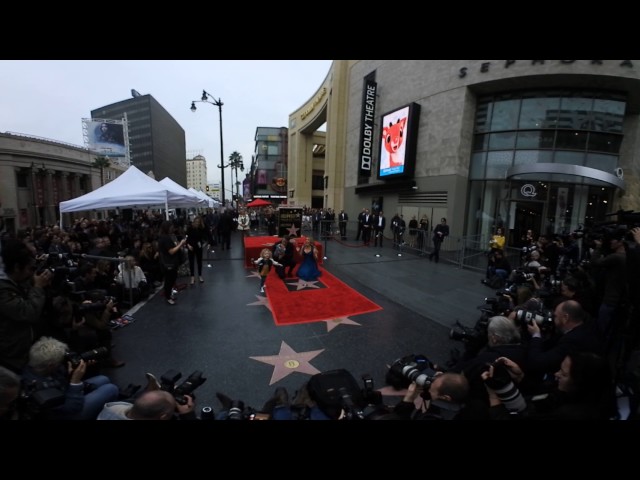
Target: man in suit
pixel 366 227
pixel 343 218
pixel 379 222
pixel 360 221
pixel 572 335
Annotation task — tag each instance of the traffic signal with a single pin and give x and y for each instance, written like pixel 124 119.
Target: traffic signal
pixel 207 188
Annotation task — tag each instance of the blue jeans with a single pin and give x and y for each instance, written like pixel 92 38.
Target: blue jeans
pixel 94 401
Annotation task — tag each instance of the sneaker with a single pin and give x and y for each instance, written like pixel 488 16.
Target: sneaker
pixel 152 383
pixel 261 289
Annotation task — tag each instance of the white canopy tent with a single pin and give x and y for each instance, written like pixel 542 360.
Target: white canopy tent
pixel 131 189
pixel 211 203
pixel 190 198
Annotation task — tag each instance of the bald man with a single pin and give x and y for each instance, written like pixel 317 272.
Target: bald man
pixel 153 405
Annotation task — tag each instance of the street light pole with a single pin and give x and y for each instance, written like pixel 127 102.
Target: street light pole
pixel 218 103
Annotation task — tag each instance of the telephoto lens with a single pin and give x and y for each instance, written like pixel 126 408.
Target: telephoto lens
pixel 207 413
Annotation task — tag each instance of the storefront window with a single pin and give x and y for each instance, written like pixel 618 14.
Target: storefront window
pixel 539 113
pixel 505 115
pixel 498 163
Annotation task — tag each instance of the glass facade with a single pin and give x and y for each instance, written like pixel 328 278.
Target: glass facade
pixel 567 127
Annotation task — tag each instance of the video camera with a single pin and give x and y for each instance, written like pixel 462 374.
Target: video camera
pixel 168 383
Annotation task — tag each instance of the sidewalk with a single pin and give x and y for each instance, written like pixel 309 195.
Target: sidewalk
pixel 441 292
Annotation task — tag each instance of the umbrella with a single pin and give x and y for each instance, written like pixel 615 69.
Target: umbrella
pixel 258 203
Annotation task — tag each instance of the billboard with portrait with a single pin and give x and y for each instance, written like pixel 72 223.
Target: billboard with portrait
pixel 398 140
pixel 106 138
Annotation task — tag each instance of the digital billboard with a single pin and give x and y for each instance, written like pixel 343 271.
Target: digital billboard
pixel 398 140
pixel 106 138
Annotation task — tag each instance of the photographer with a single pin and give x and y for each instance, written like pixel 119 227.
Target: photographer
pixel 498 267
pixel 78 400
pixel 21 303
pixel 150 405
pixel 572 335
pixel 97 311
pixel 503 340
pixel 613 268
pixel 443 399
pixel 582 390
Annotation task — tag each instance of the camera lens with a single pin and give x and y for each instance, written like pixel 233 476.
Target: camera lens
pixel 206 413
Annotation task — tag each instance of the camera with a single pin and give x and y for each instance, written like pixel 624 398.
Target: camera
pixel 544 318
pixel 168 383
pixel 522 276
pixel 412 368
pixel 95 354
pixel 236 411
pixel 38 396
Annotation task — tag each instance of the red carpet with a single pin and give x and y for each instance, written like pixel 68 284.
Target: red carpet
pixel 326 299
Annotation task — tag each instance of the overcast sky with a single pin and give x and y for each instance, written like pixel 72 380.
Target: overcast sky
pixel 49 99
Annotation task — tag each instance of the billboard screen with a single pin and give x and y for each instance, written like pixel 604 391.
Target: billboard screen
pixel 106 139
pixel 398 139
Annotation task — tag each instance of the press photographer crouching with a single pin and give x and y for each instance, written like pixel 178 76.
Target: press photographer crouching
pixel 97 311
pixel 503 340
pixel 444 395
pixel 150 405
pixel 53 386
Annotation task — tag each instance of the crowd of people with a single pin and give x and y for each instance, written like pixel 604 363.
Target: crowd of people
pixel 542 357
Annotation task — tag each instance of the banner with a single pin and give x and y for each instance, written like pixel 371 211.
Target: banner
pixel 289 221
pixel 106 138
pixel 368 113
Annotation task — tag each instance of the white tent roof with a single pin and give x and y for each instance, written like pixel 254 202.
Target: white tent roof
pixel 210 201
pixel 190 198
pixel 131 189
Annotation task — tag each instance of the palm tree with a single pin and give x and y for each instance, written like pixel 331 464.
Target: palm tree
pixel 101 163
pixel 235 162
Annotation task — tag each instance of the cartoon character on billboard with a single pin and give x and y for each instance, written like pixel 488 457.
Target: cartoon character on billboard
pixel 393 136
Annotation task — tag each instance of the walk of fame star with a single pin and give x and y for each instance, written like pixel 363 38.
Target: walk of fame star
pixel 334 322
pixel 289 361
pixel 261 301
pixel 302 284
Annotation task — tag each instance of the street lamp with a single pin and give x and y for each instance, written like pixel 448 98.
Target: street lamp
pixel 218 103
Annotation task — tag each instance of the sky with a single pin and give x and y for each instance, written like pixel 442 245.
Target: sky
pixel 49 98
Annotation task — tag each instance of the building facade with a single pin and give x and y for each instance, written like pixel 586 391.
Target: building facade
pixel 268 172
pixel 197 173
pixel 37 174
pixel 156 140
pixel 547 145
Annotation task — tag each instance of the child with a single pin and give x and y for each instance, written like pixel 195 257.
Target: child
pixel 264 264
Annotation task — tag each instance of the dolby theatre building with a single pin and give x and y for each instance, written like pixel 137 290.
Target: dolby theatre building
pixel 546 145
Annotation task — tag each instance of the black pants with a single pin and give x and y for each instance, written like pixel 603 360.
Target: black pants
pixel 195 254
pixel 436 250
pixel 285 264
pixel 170 277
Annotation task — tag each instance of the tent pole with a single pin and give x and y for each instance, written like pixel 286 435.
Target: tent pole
pixel 166 208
